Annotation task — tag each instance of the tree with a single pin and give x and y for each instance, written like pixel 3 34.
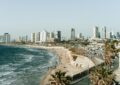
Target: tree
pixel 101 76
pixel 110 51
pixel 60 78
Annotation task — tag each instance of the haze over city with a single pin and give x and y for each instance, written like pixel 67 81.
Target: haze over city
pixel 19 17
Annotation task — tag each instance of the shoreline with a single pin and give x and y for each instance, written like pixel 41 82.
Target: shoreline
pixel 65 62
pixel 64 57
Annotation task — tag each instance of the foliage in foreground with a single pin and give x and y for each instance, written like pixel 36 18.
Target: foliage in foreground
pixel 60 78
pixel 102 76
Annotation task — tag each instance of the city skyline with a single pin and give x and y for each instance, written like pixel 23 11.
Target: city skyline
pixel 19 17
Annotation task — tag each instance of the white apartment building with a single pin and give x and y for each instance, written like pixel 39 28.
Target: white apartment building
pixel 33 37
pixel 37 37
pixel 6 37
pixel 96 33
pixel 43 36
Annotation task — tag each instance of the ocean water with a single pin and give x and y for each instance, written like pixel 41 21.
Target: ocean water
pixel 24 66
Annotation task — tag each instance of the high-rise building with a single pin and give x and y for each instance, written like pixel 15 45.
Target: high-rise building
pixel 1 39
pixel 33 37
pixel 52 35
pixel 96 33
pixel 23 38
pixel 105 31
pixel 6 37
pixel 80 36
pixel 43 36
pixel 37 37
pixel 59 36
pixel 118 35
pixel 110 35
pixel 72 34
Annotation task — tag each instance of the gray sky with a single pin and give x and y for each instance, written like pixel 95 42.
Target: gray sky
pixel 21 17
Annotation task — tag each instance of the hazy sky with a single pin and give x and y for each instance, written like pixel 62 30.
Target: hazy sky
pixel 20 17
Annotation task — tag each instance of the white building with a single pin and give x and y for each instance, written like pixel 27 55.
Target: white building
pixel 6 37
pixel 37 37
pixel 96 33
pixel 103 33
pixel 1 38
pixel 43 36
pixel 33 37
pixel 72 34
pixel 23 39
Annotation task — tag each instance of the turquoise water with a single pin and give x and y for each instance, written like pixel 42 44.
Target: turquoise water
pixel 24 66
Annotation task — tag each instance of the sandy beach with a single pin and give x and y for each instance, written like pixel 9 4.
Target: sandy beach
pixel 66 63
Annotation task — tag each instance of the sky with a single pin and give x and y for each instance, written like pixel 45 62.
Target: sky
pixel 22 17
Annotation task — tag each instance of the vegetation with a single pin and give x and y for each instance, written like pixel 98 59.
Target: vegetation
pixel 103 75
pixel 110 51
pixel 61 79
pixel 78 51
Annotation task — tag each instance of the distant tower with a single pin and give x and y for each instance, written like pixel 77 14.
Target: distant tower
pixel 33 37
pixel 59 36
pixel 96 33
pixel 110 35
pixel 105 35
pixel 1 38
pixel 6 37
pixel 43 36
pixel 37 37
pixel 118 35
pixel 72 34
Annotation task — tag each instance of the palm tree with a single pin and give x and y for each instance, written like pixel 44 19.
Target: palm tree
pixel 101 76
pixel 110 51
pixel 60 78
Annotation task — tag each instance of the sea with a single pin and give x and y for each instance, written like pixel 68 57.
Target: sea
pixel 24 66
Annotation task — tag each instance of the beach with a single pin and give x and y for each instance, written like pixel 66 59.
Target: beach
pixel 66 63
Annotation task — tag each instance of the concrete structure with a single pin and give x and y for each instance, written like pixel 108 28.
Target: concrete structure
pixel 118 35
pixel 72 34
pixel 50 37
pixel 23 39
pixel 6 37
pixel 80 36
pixel 109 36
pixel 103 33
pixel 1 39
pixel 96 33
pixel 33 37
pixel 59 36
pixel 37 37
pixel 105 30
pixel 43 36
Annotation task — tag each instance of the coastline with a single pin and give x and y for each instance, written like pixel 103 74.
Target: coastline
pixel 64 57
pixel 66 62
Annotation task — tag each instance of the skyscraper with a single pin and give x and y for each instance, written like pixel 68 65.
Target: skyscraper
pixel 37 37
pixel 23 39
pixel 6 37
pixel 105 35
pixel 33 37
pixel 1 39
pixel 96 33
pixel 59 36
pixel 43 36
pixel 72 34
pixel 118 35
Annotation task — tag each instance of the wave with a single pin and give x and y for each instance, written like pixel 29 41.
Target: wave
pixel 28 66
